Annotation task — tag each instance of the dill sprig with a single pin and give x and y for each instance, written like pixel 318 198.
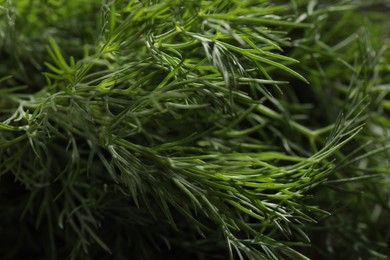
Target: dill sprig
pixel 171 128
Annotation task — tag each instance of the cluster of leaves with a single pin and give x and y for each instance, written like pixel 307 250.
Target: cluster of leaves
pixel 155 129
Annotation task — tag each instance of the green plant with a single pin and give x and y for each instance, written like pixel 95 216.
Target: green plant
pixel 204 129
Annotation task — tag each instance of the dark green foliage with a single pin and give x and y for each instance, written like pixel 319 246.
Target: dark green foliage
pixel 357 194
pixel 193 130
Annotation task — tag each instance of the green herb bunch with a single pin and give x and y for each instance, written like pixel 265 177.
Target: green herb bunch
pixel 192 129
